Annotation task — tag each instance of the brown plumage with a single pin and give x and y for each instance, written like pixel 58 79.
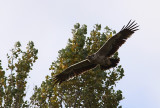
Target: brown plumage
pixel 101 57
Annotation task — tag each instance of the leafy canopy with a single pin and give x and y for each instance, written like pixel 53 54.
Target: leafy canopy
pixel 13 87
pixel 93 89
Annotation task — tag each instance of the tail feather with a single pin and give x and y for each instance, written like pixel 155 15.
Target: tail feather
pixel 114 63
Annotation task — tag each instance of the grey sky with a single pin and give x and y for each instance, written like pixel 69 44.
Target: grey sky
pixel 49 22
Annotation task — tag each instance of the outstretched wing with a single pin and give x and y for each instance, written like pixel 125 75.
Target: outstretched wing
pixel 74 70
pixel 114 43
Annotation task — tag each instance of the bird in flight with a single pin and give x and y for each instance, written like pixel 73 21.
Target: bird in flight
pixel 102 57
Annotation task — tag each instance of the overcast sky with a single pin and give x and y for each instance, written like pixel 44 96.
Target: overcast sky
pixel 48 24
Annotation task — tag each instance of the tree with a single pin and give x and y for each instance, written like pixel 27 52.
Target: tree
pixel 12 87
pixel 94 89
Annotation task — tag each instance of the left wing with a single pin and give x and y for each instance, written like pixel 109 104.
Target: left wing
pixel 74 70
pixel 114 43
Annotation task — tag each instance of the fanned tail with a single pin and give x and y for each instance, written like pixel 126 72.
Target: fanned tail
pixel 114 63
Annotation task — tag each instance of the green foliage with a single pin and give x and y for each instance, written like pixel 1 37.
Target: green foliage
pixel 12 88
pixel 93 89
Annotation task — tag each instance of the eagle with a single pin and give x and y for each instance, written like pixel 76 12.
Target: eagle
pixel 103 57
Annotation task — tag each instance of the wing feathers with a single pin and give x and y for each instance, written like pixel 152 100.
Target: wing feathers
pixel 73 70
pixel 128 24
pixel 114 43
pixel 123 27
pixel 131 26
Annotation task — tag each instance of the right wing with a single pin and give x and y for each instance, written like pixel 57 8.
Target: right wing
pixel 115 42
pixel 74 70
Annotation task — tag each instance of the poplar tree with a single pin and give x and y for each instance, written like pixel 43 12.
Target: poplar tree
pixel 93 89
